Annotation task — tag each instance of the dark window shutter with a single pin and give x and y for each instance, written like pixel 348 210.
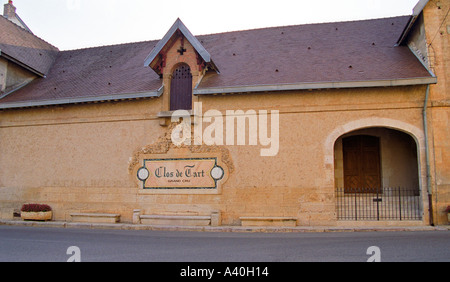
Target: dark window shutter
pixel 181 89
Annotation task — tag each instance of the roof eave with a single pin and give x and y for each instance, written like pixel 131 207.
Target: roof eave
pixel 316 86
pixel 67 101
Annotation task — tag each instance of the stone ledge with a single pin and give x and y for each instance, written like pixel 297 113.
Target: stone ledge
pixel 176 220
pixel 95 217
pixel 269 221
pixel 238 229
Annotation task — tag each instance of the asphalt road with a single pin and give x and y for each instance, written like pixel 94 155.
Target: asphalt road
pixel 31 244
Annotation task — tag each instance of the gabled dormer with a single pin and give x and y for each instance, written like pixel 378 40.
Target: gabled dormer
pixel 179 42
pixel 181 61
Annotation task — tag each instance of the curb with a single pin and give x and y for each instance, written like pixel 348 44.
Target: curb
pixel 227 229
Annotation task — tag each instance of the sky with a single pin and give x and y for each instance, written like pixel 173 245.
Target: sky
pixel 74 24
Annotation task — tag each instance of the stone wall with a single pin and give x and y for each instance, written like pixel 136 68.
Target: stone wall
pixel 76 158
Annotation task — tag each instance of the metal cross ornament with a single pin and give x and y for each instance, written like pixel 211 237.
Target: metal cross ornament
pixel 182 50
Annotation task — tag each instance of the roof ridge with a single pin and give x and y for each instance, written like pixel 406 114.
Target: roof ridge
pixel 110 45
pixel 231 31
pixel 298 25
pixel 31 33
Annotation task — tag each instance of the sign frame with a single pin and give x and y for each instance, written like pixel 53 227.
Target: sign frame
pixel 143 174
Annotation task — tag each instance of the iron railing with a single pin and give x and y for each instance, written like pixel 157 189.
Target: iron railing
pixel 370 204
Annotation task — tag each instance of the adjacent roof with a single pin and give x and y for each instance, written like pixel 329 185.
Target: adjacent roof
pixel 330 55
pixel 110 72
pixel 25 49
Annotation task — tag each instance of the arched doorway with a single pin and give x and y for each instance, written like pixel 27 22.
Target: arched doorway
pixel 377 175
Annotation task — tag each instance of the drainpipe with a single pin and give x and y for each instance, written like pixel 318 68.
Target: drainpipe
pixel 427 155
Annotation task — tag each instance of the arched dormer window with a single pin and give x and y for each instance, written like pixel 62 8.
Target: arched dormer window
pixel 181 89
pixel 179 46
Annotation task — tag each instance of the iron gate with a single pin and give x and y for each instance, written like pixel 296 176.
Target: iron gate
pixel 385 204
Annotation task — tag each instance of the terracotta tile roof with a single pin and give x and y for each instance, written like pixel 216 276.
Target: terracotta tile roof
pixel 26 48
pixel 331 52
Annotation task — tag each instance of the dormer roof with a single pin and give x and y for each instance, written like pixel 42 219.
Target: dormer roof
pixel 153 60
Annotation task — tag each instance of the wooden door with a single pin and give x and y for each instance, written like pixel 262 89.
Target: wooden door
pixel 362 168
pixel 181 89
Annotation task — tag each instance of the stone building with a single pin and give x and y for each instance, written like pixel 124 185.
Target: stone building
pixel 333 124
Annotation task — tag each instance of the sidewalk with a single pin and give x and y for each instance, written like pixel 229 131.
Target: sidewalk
pixel 299 229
